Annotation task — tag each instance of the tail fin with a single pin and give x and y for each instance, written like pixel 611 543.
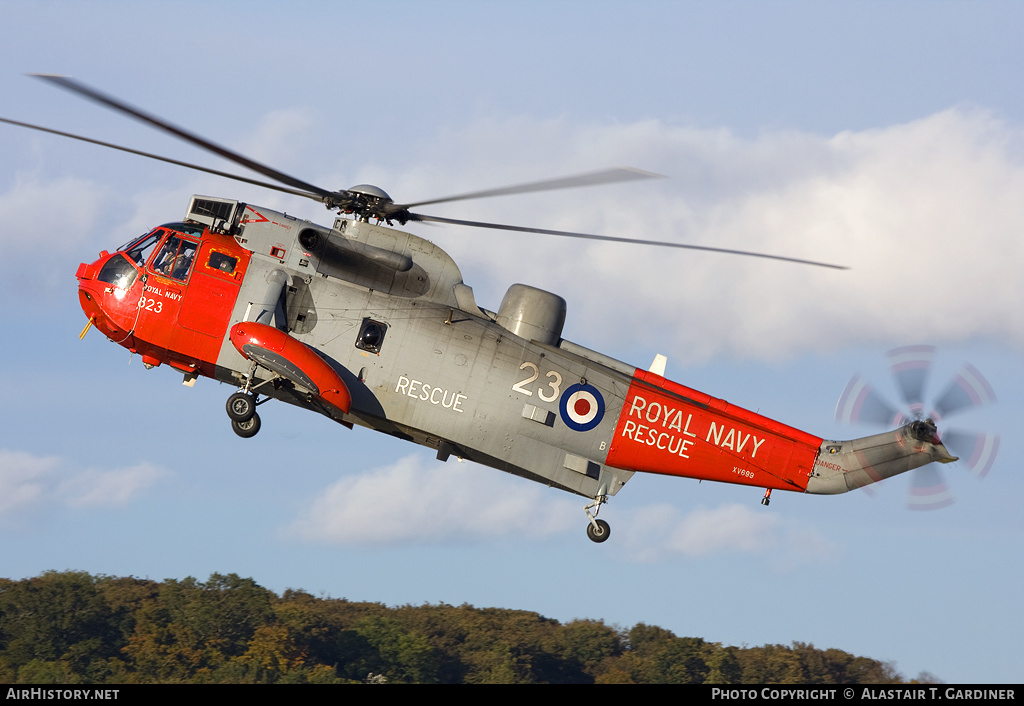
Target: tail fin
pixel 846 465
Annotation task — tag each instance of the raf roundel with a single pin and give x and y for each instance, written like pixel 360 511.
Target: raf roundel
pixel 581 407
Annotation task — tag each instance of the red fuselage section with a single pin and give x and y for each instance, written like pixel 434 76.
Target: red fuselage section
pixel 167 295
pixel 671 429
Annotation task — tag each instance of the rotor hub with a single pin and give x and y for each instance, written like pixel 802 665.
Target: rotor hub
pixel 367 201
pixel 370 190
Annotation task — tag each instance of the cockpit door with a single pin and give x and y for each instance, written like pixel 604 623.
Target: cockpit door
pixel 216 278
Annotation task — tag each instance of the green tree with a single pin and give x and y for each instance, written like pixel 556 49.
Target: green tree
pixel 657 656
pixel 57 619
pixel 409 657
pixel 191 629
pixel 723 665
pixel 589 644
pixel 74 628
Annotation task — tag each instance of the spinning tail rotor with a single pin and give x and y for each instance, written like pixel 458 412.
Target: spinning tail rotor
pixel 910 367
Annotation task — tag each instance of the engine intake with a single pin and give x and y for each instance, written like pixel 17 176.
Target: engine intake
pixel 532 314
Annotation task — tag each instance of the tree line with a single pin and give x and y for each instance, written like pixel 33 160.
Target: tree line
pixel 75 628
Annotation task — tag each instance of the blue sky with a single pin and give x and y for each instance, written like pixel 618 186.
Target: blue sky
pixel 883 136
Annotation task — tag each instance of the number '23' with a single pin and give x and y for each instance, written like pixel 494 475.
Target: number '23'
pixel 554 384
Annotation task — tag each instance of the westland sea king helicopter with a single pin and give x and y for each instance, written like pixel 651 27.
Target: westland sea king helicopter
pixel 373 326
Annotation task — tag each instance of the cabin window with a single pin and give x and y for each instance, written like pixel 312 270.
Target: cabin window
pixel 371 335
pixel 222 263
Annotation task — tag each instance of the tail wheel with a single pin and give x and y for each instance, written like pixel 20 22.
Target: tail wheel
pixel 599 531
pixel 241 407
pixel 248 428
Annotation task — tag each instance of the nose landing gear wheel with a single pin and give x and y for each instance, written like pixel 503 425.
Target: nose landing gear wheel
pixel 599 533
pixel 248 428
pixel 241 407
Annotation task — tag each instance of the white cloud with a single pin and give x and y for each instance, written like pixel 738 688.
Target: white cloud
pixel 45 228
pixel 659 532
pixel 280 136
pixel 420 501
pixel 925 213
pixel 108 488
pixel 23 479
pixel 28 481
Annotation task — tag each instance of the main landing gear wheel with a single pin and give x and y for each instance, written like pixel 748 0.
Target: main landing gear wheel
pixel 599 533
pixel 241 407
pixel 597 530
pixel 247 429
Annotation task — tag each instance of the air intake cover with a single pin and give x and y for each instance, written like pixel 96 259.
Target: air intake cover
pixel 532 314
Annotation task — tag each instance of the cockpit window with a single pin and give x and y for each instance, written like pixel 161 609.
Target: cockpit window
pixel 131 242
pixel 139 251
pixel 175 258
pixel 195 229
pixel 118 272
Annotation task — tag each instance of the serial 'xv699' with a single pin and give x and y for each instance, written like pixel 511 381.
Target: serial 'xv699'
pixel 290 310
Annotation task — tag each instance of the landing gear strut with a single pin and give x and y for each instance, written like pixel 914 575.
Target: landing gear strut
pixel 597 530
pixel 241 407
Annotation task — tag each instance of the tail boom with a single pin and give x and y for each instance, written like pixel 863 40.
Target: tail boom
pixel 842 466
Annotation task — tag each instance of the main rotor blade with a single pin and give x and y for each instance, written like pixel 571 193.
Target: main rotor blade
pixel 613 239
pixel 175 162
pixel 93 95
pixel 607 176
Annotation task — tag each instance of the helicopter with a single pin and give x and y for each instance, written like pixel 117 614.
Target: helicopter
pixel 372 326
